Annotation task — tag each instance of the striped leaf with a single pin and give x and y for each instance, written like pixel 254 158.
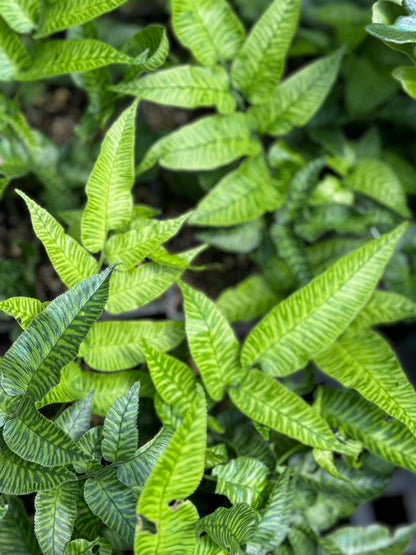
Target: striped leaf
pixel 243 194
pixel 52 339
pixel 112 502
pixel 115 345
pixel 266 401
pixel 303 325
pixel 374 178
pixel 365 362
pixel 209 28
pixel 131 247
pixel 242 480
pixel 292 251
pixel 16 529
pixel 109 201
pixel 298 98
pixel 76 419
pixel 36 439
pixel 134 472
pixel 184 86
pixel 251 298
pixel 150 46
pixel 384 307
pixel 71 262
pixel 230 528
pixel 19 477
pixel 374 538
pixel 90 442
pixel 241 238
pixel 120 434
pixel 387 438
pixel 173 380
pixel 20 15
pixel 58 16
pixel 274 524
pixel 85 547
pixel 23 309
pixel 325 459
pixel 13 55
pixel 174 477
pixel 137 287
pixel 55 512
pixel 67 390
pixel 212 342
pixel 259 64
pixel 205 144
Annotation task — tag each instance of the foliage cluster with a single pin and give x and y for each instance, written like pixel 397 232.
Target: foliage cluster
pixel 290 161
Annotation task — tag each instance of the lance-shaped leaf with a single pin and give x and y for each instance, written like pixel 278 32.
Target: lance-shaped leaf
pixel 58 16
pixel 71 262
pixel 267 401
pixel 113 502
pixel 384 307
pixel 109 205
pixel 274 524
pixel 141 285
pixel 230 528
pixel 131 247
pixel 19 477
pixel 174 381
pixel 209 28
pixel 298 98
pixel 372 539
pixel 52 339
pixel 20 15
pixel 35 438
pixel 150 46
pixel 16 530
pixel 375 179
pixel 55 514
pixel 115 345
pixel 85 547
pixel 174 477
pixel 120 434
pixel 242 195
pixel 387 438
pixel 208 143
pixel 13 54
pixel 23 309
pixel 76 419
pixel 303 325
pixel 184 86
pixel 365 362
pixel 258 66
pixel 242 480
pixel 212 342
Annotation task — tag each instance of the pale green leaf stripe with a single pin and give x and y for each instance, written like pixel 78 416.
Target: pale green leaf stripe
pixel 150 46
pixel 113 503
pixel 212 342
pixel 274 525
pixel 59 57
pixel 209 28
pixel 76 419
pixel 36 439
pixel 173 380
pixel 84 547
pixel 208 143
pixel 259 63
pixel 19 477
pixel 353 540
pixel 365 362
pixel 384 307
pixel 55 513
pixel 175 476
pixel 184 86
pixel 52 339
pixel 120 434
pixel 67 390
pixel 242 480
pixel 61 15
pixel 252 297
pixel 16 529
pixel 325 459
pixel 109 200
pixel 115 345
pixel 71 262
pixel 137 287
pixel 298 98
pixel 375 179
pixel 13 55
pixel 267 401
pixel 358 418
pixel 23 309
pixel 242 195
pixel 303 325
pixel 131 247
pixel 20 15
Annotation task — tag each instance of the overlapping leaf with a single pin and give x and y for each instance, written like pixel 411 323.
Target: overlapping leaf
pixel 304 324
pixel 16 530
pixel 13 55
pixel 20 15
pixel 374 538
pixel 150 46
pixel 76 419
pixel 384 307
pixel 23 309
